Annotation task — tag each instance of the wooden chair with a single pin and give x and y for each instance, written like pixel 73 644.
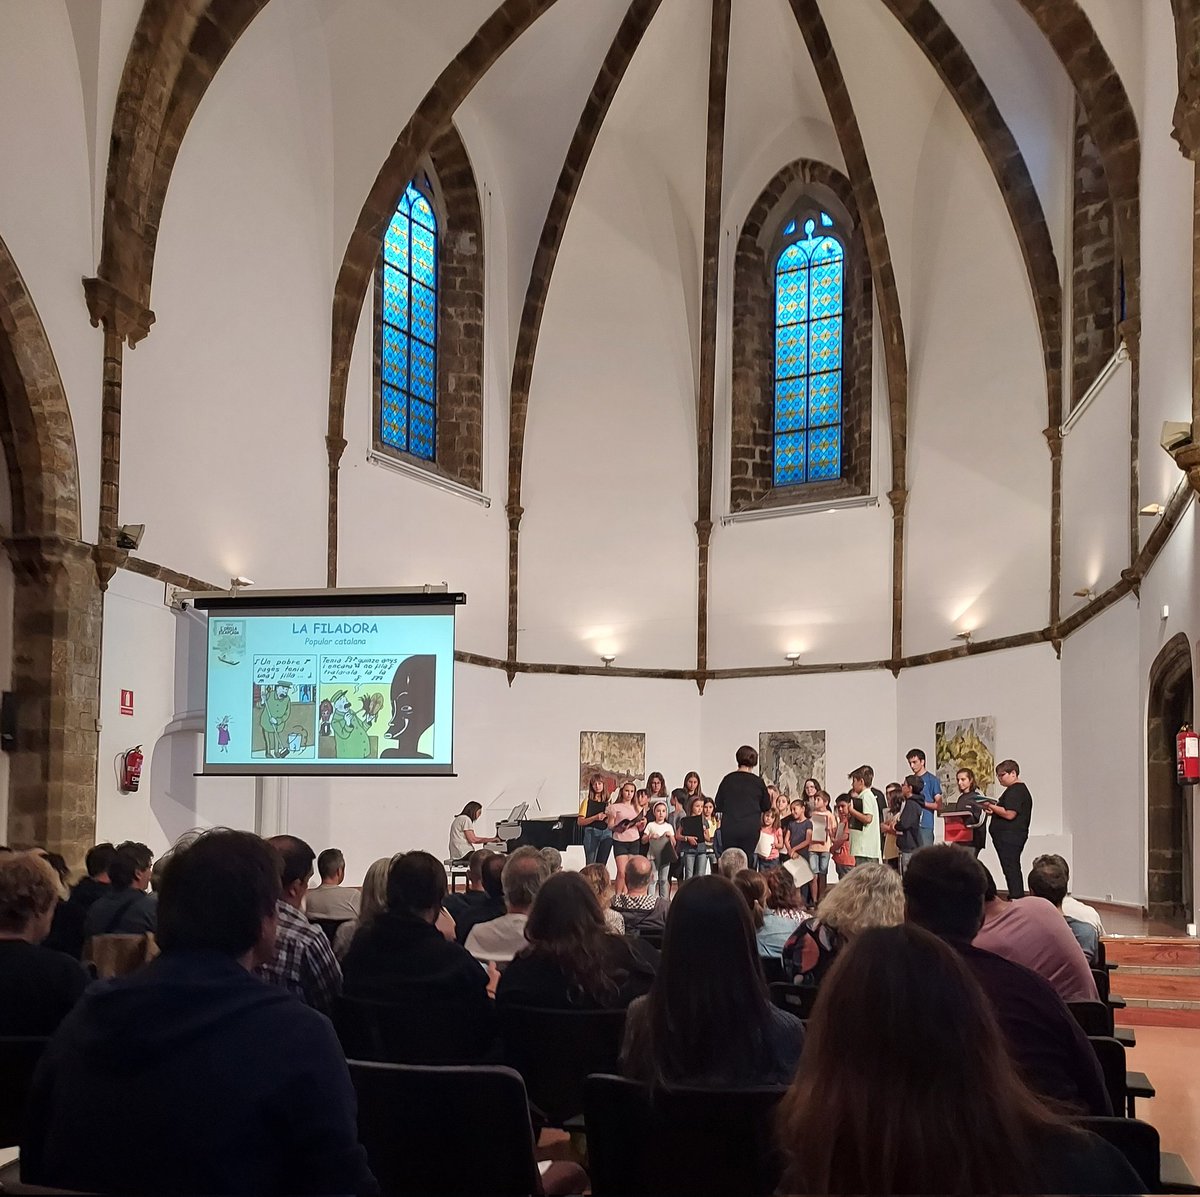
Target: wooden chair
pixel 717 1141
pixel 446 1130
pixel 1138 1142
pixel 1124 1086
pixel 19 1056
pixel 555 1050
pixel 795 999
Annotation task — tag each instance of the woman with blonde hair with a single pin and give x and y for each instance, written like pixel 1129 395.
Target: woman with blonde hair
pixel 870 896
pixel 373 903
pixel 596 875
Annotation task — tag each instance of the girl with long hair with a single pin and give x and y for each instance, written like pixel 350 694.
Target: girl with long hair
pixel 771 930
pixel 693 847
pixel 572 962
pixel 464 841
pixel 656 787
pixel 593 816
pixel 372 904
pixel 622 817
pixel 708 1018
pixel 870 1112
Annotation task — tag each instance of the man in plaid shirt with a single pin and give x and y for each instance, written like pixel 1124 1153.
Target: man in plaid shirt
pixel 304 962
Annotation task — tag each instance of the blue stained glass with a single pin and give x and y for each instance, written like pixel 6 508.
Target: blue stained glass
pixel 408 328
pixel 824 454
pixel 790 404
pixel 790 458
pixel 809 280
pixel 825 399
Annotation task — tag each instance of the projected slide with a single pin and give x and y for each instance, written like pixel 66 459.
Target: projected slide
pixel 319 691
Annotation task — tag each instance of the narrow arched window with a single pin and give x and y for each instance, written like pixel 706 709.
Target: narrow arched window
pixel 408 328
pixel 809 290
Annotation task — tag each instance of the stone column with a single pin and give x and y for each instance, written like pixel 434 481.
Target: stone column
pixel 57 609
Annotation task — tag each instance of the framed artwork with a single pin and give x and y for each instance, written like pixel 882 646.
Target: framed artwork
pixel 787 759
pixel 617 756
pixel 968 743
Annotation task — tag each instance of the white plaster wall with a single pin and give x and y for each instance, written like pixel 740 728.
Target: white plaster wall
pixel 1103 756
pixel 45 209
pixel 1167 207
pixel 225 403
pixel 1095 492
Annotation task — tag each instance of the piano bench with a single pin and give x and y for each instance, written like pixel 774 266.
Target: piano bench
pixel 453 873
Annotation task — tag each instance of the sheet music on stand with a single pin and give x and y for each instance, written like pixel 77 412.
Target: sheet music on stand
pixel 509 827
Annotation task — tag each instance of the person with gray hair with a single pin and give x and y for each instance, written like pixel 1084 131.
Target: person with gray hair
pixel 640 909
pixel 553 858
pixel 732 861
pixel 332 899
pixel 499 940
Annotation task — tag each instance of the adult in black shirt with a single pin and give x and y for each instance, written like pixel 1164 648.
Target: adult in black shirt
pixel 458 904
pixel 1011 813
pixel 38 987
pixel 492 906
pixel 66 934
pixel 944 893
pixel 741 801
pixel 126 909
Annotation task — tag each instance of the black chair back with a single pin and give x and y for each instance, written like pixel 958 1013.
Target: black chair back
pixel 1111 1055
pixel 795 999
pixel 772 967
pixel 19 1056
pixel 653 938
pixel 413 1031
pixel 1137 1141
pixel 555 1050
pixel 1103 983
pixel 329 926
pixel 445 1130
pixel 713 1141
pixel 1095 1018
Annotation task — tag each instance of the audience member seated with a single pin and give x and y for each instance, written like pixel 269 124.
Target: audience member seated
pixel 868 896
pixel 1072 908
pixel 331 899
pixel 191 1076
pixel 731 862
pixel 401 958
pixel 456 904
pixel 371 905
pixel 126 909
pixel 492 907
pixel 553 859
pixel 497 941
pixel 637 906
pixel 66 934
pixel 944 890
pixel 303 962
pixel 38 986
pixel 1031 932
pixel 572 962
pixel 905 1087
pixel 596 875
pixel 708 1020
pixel 771 930
pixel 783 898
pixel 1048 880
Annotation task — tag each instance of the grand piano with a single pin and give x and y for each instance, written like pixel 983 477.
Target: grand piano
pixel 543 831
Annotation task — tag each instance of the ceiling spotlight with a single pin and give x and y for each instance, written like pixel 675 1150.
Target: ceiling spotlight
pixel 1152 509
pixel 965 637
pixel 239 583
pixel 794 658
pixel 608 659
pixel 1085 592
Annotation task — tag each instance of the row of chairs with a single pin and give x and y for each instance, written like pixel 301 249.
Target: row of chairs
pixel 726 1134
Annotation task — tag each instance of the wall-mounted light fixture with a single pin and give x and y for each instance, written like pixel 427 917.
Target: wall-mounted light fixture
pixel 239 583
pixel 965 637
pixel 1085 592
pixel 1152 509
pixel 608 659
pixel 793 657
pixel 129 536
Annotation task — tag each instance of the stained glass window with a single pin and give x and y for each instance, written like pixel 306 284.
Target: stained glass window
pixel 809 277
pixel 408 328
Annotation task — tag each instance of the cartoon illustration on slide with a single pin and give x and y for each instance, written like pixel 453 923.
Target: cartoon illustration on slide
pixel 413 691
pixel 325 714
pixel 284 707
pixel 349 732
pixel 276 711
pixel 223 733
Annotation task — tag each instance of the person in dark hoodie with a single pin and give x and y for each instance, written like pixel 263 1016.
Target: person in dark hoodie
pixel 435 987
pixel 192 1075
pixel 127 909
pixel 491 877
pixel 66 933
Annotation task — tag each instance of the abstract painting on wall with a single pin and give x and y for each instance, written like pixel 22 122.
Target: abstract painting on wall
pixel 966 744
pixel 788 758
pixel 617 756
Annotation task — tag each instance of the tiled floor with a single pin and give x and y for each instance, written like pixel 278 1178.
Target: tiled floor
pixel 1170 1057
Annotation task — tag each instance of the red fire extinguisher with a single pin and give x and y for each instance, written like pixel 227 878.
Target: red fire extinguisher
pixel 1187 756
pixel 131 769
